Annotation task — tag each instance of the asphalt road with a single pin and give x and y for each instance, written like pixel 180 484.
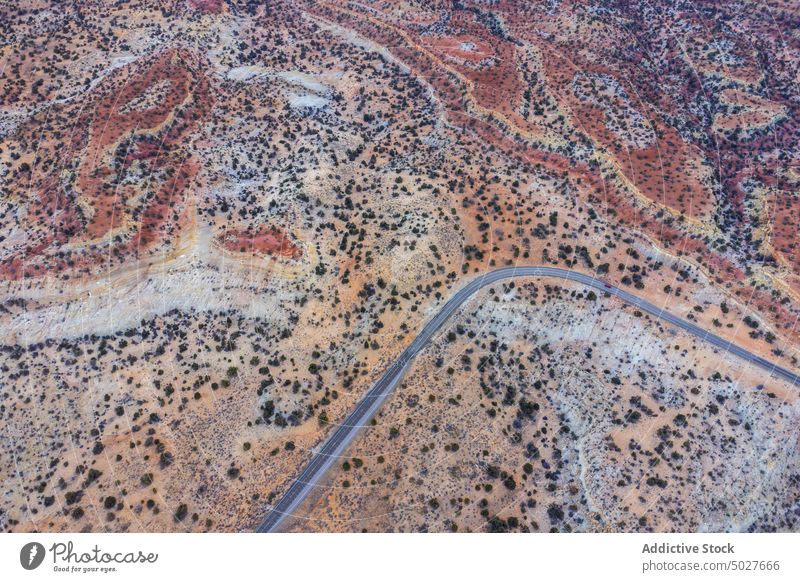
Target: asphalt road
pixel 344 434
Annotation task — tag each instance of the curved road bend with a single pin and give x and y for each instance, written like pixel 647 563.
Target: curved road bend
pixel 344 434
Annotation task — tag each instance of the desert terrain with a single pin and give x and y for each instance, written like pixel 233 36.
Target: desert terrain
pixel 222 220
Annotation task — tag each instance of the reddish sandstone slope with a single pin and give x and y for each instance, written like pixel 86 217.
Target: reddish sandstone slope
pixel 143 115
pixel 645 118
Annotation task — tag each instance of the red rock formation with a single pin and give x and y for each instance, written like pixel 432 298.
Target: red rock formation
pixel 266 240
pixel 208 6
pixel 144 114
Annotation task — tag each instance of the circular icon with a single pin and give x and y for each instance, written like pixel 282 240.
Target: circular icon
pixel 31 555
